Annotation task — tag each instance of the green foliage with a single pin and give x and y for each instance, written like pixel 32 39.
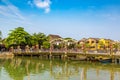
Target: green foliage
pixel 71 46
pixel 68 38
pixel 56 46
pixel 18 68
pixel 101 43
pixel 39 38
pixel 46 44
pixel 79 46
pixel 71 43
pixel 116 45
pixel 18 36
pixel 87 45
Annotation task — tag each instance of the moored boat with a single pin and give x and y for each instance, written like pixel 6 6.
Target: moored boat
pixel 106 60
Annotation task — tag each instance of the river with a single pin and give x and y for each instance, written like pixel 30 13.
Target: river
pixel 26 68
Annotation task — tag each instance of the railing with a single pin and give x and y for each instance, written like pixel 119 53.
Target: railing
pixel 68 51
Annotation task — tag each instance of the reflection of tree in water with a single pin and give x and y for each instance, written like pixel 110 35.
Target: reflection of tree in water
pixel 19 68
pixel 16 72
pixel 1 64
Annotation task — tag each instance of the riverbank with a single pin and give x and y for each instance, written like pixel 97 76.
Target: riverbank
pixel 6 55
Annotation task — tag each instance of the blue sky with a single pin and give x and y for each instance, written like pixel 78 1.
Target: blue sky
pixel 67 18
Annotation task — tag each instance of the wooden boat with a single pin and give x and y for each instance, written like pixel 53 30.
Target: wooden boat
pixel 106 60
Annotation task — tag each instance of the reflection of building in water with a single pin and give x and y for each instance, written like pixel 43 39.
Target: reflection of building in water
pixel 64 72
pixel 59 70
pixel 83 75
pixel 112 74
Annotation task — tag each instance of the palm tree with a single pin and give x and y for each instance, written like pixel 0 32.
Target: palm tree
pixel 40 38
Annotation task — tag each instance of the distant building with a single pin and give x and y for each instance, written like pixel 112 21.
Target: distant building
pixel 92 42
pixel 53 37
pixel 82 41
pixel 96 43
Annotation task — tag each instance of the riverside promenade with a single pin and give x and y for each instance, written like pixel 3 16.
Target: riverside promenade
pixel 6 55
pixel 75 55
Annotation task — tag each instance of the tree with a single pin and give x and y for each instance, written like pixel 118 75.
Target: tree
pixel 46 45
pixel 18 36
pixel 39 38
pixel 116 46
pixel 87 45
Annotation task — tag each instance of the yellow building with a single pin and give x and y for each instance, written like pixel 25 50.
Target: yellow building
pixel 105 44
pixel 96 43
pixel 92 43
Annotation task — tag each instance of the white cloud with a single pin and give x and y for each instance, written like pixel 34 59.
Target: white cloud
pixel 12 9
pixel 5 11
pixel 11 13
pixel 43 4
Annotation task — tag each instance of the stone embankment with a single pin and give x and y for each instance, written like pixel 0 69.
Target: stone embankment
pixel 6 54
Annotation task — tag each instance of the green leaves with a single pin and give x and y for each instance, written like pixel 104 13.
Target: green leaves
pixel 46 44
pixel 18 36
pixel 39 38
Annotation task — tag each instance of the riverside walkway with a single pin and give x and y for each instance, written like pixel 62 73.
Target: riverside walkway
pixel 77 55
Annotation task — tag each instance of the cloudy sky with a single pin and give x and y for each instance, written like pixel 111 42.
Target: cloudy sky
pixel 67 18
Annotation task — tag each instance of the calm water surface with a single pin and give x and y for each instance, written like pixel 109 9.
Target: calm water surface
pixel 43 69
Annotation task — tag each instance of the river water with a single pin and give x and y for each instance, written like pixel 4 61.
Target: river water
pixel 43 69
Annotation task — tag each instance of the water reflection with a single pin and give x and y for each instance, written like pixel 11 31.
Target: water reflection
pixel 42 69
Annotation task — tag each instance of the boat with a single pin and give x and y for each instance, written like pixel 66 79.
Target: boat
pixel 106 60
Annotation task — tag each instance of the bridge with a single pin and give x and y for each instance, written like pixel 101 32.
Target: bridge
pixel 74 55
